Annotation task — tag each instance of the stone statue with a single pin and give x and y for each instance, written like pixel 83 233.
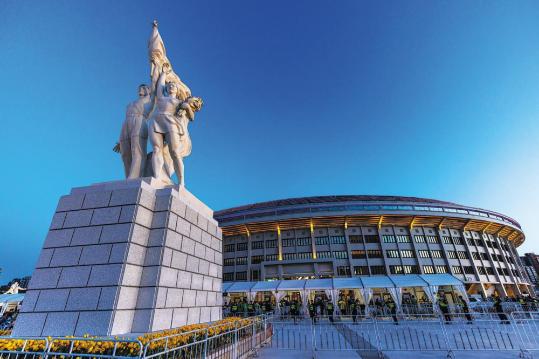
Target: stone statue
pixel 134 134
pixel 168 125
pixel 169 106
pixel 14 288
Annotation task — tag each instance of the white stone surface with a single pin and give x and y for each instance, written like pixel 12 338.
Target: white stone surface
pixel 179 317
pixel 105 275
pixel 70 203
pixel 74 277
pixel 205 314
pixel 115 233
pixel 122 321
pixel 78 218
pixel 91 322
pixel 156 269
pixel 45 278
pixel 127 298
pixel 44 258
pixel 82 299
pixel 51 300
pixel 29 324
pixel 65 257
pixel 146 297
pixel 174 298
pixel 58 238
pixel 86 235
pixel 162 319
pixel 96 199
pixel 132 275
pixel 60 324
pixel 98 254
pixel 193 315
pixel 184 279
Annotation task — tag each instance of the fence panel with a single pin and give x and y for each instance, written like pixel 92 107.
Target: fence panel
pixel 425 334
pixel 290 335
pixel 527 325
pixel 482 334
pixel 25 347
pixel 345 333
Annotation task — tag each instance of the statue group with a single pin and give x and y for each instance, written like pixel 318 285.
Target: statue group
pixel 161 113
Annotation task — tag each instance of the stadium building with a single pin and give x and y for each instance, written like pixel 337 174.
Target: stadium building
pixel 369 236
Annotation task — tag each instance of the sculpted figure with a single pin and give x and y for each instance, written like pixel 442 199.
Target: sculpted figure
pixel 134 134
pixel 14 288
pixel 170 107
pixel 168 126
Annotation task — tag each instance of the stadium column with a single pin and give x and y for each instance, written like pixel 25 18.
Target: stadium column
pixel 505 261
pixel 467 245
pixel 279 244
pixel 519 266
pixel 249 254
pixel 382 246
pixel 412 242
pixel 438 231
pixel 348 248
pixel 431 257
pixel 418 258
pixel 457 252
pixel 398 248
pixel 366 251
pixel 483 237
pixel 313 244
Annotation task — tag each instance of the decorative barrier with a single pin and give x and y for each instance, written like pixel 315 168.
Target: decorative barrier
pixel 240 338
pixel 456 332
pixel 227 338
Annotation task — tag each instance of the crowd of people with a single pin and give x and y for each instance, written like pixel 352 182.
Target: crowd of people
pixel 7 320
pixel 243 308
pixel 291 307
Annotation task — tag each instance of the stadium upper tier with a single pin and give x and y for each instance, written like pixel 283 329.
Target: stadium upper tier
pixel 363 210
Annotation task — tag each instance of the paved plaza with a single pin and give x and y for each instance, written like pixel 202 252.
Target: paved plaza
pixel 426 338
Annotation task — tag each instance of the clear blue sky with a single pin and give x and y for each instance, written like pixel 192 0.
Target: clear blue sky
pixel 424 98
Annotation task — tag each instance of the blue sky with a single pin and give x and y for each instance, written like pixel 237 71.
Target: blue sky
pixel 421 98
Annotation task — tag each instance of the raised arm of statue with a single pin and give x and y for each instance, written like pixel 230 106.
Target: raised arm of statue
pixel 161 84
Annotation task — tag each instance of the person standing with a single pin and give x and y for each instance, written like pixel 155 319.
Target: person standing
pixel 330 311
pixel 466 310
pixel 353 309
pixel 499 309
pixel 444 308
pixel 393 310
pixel 342 306
pixel 311 312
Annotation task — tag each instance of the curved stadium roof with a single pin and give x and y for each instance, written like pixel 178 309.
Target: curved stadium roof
pixel 364 210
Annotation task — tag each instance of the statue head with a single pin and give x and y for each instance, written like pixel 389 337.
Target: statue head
pixel 171 89
pixel 143 90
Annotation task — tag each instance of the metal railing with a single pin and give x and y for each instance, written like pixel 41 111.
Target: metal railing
pixel 449 333
pixel 455 332
pixel 26 346
pixel 236 340
pixel 54 347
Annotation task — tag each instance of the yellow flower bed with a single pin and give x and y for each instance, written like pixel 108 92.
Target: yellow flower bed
pixel 98 345
pixel 4 333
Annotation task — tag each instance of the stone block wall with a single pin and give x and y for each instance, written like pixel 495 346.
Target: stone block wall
pixel 125 257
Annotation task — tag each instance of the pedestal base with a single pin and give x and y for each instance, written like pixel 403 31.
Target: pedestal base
pixel 125 257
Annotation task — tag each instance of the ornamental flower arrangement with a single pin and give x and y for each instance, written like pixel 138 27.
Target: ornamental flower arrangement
pixel 156 341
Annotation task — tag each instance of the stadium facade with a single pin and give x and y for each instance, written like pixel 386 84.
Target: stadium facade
pixel 343 236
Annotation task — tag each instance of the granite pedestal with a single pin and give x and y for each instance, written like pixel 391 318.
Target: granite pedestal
pixel 125 257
